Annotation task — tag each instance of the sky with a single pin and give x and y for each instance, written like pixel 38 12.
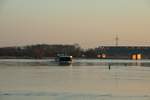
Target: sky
pixel 90 23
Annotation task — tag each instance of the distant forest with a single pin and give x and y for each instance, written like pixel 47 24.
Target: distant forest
pixel 41 51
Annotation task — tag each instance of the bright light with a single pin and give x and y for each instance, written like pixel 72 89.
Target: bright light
pixel 71 57
pixel 103 55
pixel 134 56
pixel 139 56
pixel 98 56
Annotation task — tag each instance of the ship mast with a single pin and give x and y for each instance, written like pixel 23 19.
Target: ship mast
pixel 116 40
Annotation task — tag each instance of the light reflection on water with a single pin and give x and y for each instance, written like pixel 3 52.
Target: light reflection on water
pixel 83 80
pixel 77 62
pixel 70 96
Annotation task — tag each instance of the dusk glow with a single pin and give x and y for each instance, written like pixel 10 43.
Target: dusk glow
pixel 88 22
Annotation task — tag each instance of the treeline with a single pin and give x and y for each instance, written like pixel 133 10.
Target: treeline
pixel 40 51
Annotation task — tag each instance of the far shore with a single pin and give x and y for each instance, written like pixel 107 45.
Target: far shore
pixel 9 57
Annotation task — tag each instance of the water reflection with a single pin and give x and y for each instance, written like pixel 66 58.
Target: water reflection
pixel 83 80
pixel 76 62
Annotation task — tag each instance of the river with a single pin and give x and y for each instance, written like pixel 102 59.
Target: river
pixel 22 79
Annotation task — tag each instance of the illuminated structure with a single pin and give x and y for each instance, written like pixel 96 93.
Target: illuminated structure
pixel 136 56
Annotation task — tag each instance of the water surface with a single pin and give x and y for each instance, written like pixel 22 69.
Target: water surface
pixel 83 80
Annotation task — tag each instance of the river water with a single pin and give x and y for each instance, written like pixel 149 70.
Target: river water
pixel 83 80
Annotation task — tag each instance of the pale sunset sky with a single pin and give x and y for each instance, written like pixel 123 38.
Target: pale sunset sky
pixel 89 23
